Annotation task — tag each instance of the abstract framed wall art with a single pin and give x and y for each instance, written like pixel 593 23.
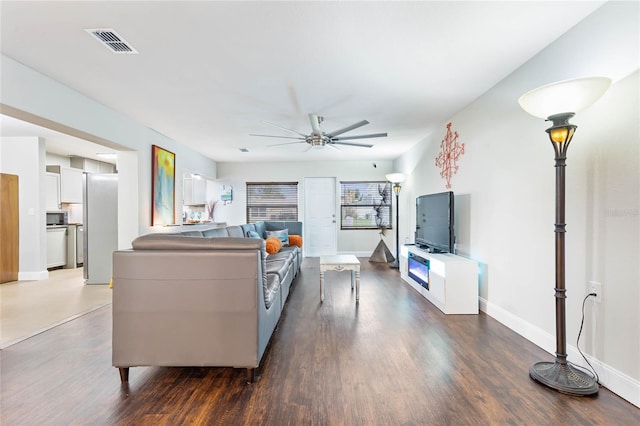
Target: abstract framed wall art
pixel 163 186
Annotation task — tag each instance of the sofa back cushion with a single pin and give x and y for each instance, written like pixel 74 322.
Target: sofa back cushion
pixel 295 228
pixel 248 227
pixel 260 228
pixel 254 234
pixel 162 241
pixel 192 233
pixel 235 231
pixel 216 232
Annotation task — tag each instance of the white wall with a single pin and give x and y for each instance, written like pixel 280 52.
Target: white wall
pixel 28 94
pixel 504 188
pixel 360 242
pixel 506 181
pixel 128 195
pixel 17 158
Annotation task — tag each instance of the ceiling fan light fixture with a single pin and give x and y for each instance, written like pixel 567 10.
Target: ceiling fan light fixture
pixel 316 141
pixel 319 138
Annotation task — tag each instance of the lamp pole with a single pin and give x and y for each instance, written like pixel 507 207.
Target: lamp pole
pixel 396 179
pixel 561 375
pixel 569 96
pixel 396 263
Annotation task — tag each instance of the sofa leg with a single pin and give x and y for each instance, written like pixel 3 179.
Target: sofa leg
pixel 124 374
pixel 251 372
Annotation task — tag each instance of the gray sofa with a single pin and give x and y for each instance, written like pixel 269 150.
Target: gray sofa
pixel 208 297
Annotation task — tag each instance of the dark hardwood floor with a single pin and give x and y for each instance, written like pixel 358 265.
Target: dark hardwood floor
pixel 393 360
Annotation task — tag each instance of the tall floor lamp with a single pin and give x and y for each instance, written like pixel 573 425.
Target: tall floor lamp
pixel 558 102
pixel 396 179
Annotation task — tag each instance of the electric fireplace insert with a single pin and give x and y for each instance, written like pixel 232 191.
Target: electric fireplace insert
pixel 419 269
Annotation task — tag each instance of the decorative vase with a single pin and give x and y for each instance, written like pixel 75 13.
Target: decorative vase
pixel 211 205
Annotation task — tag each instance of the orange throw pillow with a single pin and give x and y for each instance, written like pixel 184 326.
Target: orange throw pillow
pixel 273 245
pixel 295 240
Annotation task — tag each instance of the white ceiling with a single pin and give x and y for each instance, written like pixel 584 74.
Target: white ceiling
pixel 208 73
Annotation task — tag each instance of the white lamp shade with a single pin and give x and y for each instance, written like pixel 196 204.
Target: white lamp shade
pixel 396 177
pixel 564 96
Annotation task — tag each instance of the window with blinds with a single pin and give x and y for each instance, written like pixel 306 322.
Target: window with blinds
pixel 365 205
pixel 272 201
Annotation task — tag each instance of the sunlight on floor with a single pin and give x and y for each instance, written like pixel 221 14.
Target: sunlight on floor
pixel 31 307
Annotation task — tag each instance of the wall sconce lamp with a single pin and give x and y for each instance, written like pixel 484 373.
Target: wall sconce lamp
pixel 396 179
pixel 558 102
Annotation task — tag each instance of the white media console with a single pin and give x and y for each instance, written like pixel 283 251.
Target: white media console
pixel 452 280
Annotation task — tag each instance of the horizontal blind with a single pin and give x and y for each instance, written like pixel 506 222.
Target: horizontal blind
pixel 365 205
pixel 272 201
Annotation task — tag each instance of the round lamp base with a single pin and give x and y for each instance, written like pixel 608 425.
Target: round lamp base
pixel 564 378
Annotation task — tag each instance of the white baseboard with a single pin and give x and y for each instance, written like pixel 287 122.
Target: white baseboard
pixel 617 382
pixel 357 253
pixel 33 276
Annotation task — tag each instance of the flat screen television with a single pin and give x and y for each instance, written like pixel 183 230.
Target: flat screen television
pixel 434 222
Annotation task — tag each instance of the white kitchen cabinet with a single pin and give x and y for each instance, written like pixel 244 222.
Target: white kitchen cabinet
pixel 70 183
pixel 200 191
pixel 92 166
pixel 106 167
pixel 194 191
pixel 187 191
pixel 86 164
pixel 52 186
pixel 56 247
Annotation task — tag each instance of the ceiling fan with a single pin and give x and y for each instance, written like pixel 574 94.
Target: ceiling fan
pixel 319 138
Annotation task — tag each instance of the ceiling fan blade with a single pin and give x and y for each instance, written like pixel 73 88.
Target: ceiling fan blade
pixel 363 145
pixel 315 124
pixel 284 128
pixel 373 135
pixel 330 145
pixel 286 143
pixel 348 128
pixel 273 136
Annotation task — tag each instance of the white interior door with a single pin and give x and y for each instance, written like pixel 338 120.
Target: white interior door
pixel 320 216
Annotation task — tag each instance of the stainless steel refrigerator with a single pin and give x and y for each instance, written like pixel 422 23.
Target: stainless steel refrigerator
pixel 100 220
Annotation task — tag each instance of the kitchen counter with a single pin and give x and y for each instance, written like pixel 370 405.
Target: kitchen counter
pixel 56 226
pixel 207 225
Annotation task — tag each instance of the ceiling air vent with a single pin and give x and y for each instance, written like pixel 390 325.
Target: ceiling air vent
pixel 112 40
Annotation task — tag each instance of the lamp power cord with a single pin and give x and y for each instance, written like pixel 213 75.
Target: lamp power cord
pixel 592 371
